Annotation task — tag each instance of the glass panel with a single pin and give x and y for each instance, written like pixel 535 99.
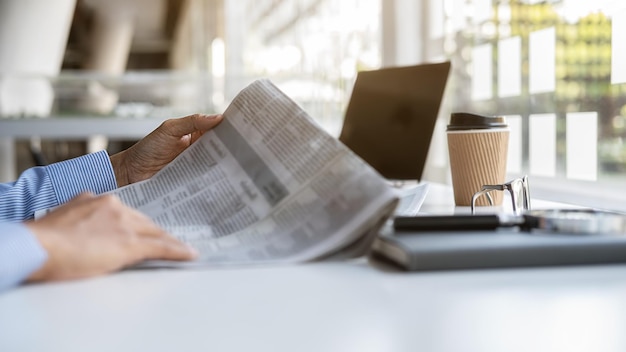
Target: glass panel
pixel 482 72
pixel 618 42
pixel 514 160
pixel 510 67
pixel 582 145
pixel 541 61
pixel 542 145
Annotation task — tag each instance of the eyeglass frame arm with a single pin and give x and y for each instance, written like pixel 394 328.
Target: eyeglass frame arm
pixel 486 189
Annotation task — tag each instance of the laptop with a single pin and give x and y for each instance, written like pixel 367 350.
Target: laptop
pixel 391 116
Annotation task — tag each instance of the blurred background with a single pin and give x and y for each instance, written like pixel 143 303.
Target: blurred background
pixel 81 75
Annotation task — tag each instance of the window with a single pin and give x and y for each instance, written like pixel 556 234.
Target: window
pixel 312 49
pixel 554 68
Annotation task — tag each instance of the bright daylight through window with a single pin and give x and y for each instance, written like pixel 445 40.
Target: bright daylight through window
pixel 312 49
pixel 557 78
pixel 554 68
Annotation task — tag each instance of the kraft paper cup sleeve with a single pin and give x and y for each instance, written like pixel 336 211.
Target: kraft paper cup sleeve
pixel 477 159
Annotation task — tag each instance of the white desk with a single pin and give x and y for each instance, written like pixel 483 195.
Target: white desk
pixel 349 306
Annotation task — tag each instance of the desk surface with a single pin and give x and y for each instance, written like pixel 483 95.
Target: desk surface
pixel 340 306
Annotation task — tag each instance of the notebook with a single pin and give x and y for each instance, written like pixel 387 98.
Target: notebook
pixel 426 251
pixel 391 116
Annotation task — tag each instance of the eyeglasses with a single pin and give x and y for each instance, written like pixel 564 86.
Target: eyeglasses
pixel 517 188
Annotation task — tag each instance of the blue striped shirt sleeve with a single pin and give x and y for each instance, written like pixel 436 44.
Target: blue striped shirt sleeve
pixel 41 188
pixel 20 254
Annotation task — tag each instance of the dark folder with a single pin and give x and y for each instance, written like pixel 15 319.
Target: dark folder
pixel 425 251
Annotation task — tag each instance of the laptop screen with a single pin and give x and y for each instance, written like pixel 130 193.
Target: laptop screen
pixel 391 117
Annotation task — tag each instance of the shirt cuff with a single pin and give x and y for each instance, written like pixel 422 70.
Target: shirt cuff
pixel 89 173
pixel 21 254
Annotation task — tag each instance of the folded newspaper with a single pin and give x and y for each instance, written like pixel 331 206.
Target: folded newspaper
pixel 267 185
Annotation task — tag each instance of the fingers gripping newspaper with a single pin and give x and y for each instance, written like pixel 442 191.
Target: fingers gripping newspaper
pixel 267 185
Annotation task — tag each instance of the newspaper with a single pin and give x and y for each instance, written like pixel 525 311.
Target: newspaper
pixel 267 185
pixel 411 199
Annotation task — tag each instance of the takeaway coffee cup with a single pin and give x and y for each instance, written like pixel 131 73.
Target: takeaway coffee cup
pixel 477 147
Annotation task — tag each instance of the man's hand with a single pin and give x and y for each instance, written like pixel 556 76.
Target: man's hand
pixel 161 146
pixel 92 235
